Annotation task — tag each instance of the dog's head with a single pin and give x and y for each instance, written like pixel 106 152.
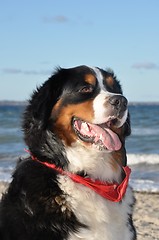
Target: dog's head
pixel 79 106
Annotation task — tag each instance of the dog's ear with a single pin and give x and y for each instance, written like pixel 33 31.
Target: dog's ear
pixel 40 140
pixel 45 97
pixel 127 126
pixel 126 133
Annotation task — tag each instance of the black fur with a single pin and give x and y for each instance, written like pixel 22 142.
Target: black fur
pixel 30 211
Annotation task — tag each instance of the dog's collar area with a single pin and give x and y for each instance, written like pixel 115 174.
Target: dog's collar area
pixel 110 191
pixel 113 192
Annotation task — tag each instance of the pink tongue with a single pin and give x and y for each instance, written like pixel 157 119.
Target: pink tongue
pixel 109 139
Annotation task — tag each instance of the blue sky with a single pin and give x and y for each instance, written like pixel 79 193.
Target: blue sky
pixel 36 36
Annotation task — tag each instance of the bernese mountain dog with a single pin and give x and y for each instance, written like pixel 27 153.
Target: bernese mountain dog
pixel 73 184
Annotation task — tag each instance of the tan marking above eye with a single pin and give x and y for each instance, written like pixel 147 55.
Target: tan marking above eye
pixel 89 78
pixel 110 81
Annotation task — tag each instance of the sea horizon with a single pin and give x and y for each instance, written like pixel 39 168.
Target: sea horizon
pixel 23 102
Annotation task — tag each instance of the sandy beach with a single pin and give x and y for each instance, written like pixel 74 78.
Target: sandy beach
pixel 146 214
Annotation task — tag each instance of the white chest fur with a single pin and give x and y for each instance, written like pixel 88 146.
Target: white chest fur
pixel 106 220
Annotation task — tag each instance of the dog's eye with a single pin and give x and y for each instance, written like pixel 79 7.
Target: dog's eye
pixel 87 89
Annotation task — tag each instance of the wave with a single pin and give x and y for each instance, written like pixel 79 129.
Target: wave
pixel 145 131
pixel 140 185
pixel 10 130
pixel 5 174
pixel 143 158
pixel 145 172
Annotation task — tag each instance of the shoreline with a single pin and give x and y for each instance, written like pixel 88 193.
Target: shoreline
pixel 146 214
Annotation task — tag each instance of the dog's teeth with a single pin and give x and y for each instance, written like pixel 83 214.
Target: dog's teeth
pixel 85 126
pixel 101 137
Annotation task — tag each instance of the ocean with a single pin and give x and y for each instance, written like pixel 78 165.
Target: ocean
pixel 142 146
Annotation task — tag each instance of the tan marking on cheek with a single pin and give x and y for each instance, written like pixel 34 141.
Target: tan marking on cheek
pixel 56 108
pixel 63 124
pixel 110 81
pixel 89 78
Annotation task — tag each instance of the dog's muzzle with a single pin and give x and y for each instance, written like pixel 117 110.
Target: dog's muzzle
pixel 118 102
pixel 119 105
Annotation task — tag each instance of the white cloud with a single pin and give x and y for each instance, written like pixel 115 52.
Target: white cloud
pixel 145 65
pixel 56 19
pixel 25 72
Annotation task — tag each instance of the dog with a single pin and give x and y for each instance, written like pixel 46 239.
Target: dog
pixel 74 183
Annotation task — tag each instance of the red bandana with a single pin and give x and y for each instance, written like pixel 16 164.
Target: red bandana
pixel 111 191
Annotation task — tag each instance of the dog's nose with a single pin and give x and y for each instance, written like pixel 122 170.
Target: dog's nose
pixel 119 102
